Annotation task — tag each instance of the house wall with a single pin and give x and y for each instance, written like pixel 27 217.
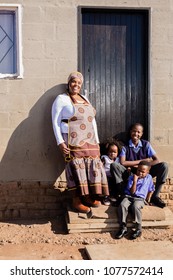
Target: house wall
pixel 30 159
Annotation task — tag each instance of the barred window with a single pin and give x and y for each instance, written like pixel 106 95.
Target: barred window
pixel 10 42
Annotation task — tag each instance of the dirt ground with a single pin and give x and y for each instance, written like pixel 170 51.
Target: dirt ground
pixel 45 240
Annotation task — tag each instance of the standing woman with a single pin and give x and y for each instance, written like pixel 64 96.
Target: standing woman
pixel 75 129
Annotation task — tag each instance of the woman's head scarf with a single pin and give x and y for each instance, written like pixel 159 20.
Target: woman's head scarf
pixel 74 75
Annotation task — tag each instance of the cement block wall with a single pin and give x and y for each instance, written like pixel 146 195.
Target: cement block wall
pixel 28 151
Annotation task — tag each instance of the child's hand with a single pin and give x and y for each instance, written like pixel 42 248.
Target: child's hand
pixel 148 159
pixel 135 177
pixel 103 161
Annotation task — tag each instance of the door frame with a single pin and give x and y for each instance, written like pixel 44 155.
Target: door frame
pixel 148 129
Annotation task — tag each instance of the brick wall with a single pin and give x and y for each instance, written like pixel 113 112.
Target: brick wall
pixel 30 200
pixel 167 193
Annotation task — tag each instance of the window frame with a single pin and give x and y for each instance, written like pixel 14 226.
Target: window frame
pixel 17 8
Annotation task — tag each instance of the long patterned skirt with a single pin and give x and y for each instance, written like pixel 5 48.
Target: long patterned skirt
pixel 86 176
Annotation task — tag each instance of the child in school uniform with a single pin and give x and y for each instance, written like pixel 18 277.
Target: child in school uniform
pixel 135 150
pixel 138 192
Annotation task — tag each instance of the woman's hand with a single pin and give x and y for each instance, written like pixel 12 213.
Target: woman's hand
pixel 64 149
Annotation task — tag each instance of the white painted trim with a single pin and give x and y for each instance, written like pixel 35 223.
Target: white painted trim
pixel 18 13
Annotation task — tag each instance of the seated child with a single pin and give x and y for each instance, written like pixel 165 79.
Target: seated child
pixel 112 155
pixel 135 150
pixel 138 190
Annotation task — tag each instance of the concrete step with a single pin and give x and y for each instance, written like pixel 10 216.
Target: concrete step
pixel 143 250
pixel 105 218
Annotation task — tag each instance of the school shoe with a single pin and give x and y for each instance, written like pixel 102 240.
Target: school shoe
pixel 158 202
pixel 77 205
pixel 106 201
pixel 121 233
pixel 88 201
pixel 137 233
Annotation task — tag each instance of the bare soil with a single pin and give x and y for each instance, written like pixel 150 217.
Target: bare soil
pixel 45 240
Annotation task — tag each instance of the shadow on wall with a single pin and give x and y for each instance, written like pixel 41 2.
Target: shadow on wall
pixel 32 153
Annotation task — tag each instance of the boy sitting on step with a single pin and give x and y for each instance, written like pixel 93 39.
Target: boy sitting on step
pixel 139 189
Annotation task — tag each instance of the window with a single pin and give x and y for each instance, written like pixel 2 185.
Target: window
pixel 10 41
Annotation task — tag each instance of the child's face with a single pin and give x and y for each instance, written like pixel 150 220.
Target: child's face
pixel 142 171
pixel 136 133
pixel 113 152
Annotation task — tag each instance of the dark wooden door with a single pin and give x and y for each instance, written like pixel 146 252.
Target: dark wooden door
pixel 114 62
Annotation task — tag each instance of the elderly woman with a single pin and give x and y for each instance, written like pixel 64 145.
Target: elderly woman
pixel 75 129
